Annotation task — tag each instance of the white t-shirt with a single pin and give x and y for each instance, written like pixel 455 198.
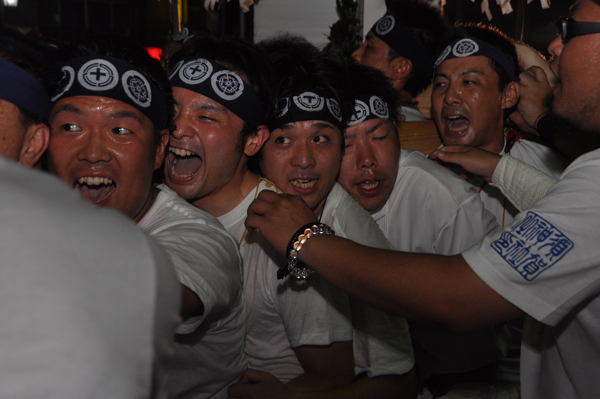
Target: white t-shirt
pixel 432 210
pixel 532 153
pixel 88 302
pixel 382 343
pixel 412 114
pixel 282 314
pixel 209 353
pixel 547 264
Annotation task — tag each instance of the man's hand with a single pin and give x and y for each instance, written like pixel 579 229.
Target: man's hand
pixel 536 95
pixel 278 217
pixel 473 160
pixel 256 384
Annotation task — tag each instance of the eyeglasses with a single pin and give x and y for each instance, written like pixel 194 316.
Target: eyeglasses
pixel 570 28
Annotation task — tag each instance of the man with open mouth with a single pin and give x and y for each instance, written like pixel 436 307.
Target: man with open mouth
pixel 109 132
pixel 475 85
pixel 421 207
pixel 222 90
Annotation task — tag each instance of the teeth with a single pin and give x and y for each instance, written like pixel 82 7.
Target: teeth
pixel 181 152
pixel 94 181
pixel 369 185
pixel 454 117
pixel 303 183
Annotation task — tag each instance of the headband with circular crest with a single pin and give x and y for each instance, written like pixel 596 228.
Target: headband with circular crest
pixel 369 107
pixel 470 47
pixel 110 77
pixel 221 85
pixel 309 105
pixel 20 88
pixel 402 41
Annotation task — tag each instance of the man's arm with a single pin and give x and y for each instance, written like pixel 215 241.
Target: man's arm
pixel 258 385
pixel 439 289
pixel 324 367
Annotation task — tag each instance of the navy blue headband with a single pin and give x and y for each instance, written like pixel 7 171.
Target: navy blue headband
pixel 221 85
pixel 470 47
pixel 20 88
pixel 309 105
pixel 369 107
pixel 112 78
pixel 402 41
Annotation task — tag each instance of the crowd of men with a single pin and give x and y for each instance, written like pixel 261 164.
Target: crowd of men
pixel 271 238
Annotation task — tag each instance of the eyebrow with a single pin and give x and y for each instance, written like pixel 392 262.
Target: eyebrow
pixel 67 108
pixel 125 114
pixel 368 131
pixel 463 73
pixel 316 124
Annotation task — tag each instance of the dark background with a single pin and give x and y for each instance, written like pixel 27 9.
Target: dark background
pixel 149 21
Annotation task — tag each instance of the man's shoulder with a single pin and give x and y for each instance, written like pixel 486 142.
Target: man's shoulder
pixel 425 176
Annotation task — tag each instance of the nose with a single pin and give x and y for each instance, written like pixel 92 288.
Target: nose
pixel 365 157
pixel 357 54
pixel 183 128
pixel 303 155
pixel 452 96
pixel 94 148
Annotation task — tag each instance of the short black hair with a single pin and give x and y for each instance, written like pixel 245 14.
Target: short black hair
pixel 35 59
pixel 127 50
pixel 370 81
pixel 427 25
pixel 493 37
pixel 242 57
pixel 298 65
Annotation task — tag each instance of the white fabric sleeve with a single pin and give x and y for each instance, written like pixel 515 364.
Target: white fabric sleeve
pixel 522 184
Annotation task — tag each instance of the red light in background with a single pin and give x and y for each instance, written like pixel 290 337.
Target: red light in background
pixel 155 52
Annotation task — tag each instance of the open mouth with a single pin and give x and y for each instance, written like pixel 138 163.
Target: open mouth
pixel 95 189
pixel 304 183
pixel 183 163
pixel 369 185
pixel 456 123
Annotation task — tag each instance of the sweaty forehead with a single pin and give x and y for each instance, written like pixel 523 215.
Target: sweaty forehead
pixel 462 66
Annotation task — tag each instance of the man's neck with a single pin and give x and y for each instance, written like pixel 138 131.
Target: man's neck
pixel 229 196
pixel 496 146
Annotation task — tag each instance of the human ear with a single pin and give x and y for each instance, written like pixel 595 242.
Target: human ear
pixel 161 148
pixel 511 95
pixel 255 142
pixel 400 68
pixel 36 142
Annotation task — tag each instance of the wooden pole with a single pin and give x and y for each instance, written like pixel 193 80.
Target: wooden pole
pixel 176 21
pixel 520 23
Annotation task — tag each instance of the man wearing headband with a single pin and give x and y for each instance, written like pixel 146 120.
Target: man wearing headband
pixel 303 157
pixel 222 88
pixel 421 207
pixel 26 76
pixel 544 265
pixel 402 45
pixel 476 83
pixel 109 132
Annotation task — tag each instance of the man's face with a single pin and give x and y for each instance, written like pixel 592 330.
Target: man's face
pixel 576 63
pixel 370 163
pixel 467 104
pixel 12 132
pixel 203 152
pixel 106 149
pixel 373 53
pixel 303 158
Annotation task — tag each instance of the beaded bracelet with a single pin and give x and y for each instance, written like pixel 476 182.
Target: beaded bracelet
pixel 294 267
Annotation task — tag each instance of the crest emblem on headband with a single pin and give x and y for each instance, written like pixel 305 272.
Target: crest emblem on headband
pixel 98 75
pixel 385 25
pixel 137 88
pixel 309 101
pixel 379 107
pixel 175 69
pixel 227 84
pixel 465 48
pixel 334 107
pixel 283 107
pixel 195 72
pixel 65 83
pixel 442 56
pixel 361 111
